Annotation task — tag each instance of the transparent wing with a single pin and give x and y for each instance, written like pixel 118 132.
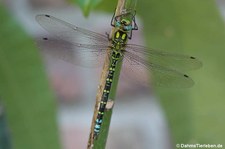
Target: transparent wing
pixel 83 55
pixel 72 44
pixel 69 32
pixel 168 60
pixel 164 67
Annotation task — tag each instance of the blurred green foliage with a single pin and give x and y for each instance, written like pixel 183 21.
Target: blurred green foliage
pixel 195 28
pixel 28 101
pixel 5 139
pixel 86 5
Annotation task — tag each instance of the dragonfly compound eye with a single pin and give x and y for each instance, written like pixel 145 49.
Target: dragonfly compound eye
pixel 118 24
pixel 128 28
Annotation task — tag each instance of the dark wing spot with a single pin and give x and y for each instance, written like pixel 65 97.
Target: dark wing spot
pixel 47 16
pixel 186 76
pixel 192 57
pixel 45 38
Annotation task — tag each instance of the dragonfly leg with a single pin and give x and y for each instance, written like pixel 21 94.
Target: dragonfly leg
pixel 107 34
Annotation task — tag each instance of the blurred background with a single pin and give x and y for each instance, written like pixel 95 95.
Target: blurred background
pixel 49 103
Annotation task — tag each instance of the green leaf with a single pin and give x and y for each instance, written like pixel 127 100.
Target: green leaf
pixel 87 5
pixel 24 89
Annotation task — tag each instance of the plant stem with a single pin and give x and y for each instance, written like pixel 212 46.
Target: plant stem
pixel 100 143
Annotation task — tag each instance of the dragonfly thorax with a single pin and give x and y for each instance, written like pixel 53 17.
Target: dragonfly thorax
pixel 119 40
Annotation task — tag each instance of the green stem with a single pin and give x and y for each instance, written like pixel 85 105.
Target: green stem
pixel 100 143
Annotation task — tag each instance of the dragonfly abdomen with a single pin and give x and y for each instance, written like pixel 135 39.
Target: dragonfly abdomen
pixel 114 59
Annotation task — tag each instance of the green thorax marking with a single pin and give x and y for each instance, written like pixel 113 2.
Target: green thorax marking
pixel 119 40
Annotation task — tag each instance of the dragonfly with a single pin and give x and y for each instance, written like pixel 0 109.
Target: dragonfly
pixel 89 49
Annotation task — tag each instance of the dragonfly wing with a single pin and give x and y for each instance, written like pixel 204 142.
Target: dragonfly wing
pixel 72 44
pixel 85 55
pixel 161 75
pixel 69 32
pixel 173 61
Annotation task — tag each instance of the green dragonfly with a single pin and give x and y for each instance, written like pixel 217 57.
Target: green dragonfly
pixel 89 49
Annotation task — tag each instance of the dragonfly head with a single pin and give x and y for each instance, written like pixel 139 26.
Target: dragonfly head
pixel 124 24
